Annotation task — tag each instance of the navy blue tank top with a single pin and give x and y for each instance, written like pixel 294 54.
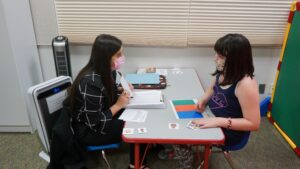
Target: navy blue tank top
pixel 224 103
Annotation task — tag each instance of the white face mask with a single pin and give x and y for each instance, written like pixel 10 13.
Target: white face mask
pixel 119 61
pixel 220 64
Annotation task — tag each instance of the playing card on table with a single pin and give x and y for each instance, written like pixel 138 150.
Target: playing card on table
pixel 173 126
pixel 128 130
pixel 192 125
pixel 142 130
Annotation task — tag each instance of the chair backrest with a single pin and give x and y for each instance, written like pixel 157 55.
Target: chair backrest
pixel 264 105
pixel 240 145
pixel 46 100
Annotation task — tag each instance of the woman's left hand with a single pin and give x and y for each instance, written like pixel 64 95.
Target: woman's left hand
pixel 207 122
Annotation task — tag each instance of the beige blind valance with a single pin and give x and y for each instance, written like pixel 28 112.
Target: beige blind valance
pixel 172 22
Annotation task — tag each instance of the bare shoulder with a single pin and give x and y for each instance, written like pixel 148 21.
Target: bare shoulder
pixel 247 84
pixel 248 81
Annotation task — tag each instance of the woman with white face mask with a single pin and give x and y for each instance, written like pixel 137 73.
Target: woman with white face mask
pixel 94 100
pixel 232 96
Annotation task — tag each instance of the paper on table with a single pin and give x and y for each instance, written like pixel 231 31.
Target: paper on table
pixel 134 115
pixel 125 85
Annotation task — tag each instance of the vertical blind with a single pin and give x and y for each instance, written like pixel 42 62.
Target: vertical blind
pixel 173 22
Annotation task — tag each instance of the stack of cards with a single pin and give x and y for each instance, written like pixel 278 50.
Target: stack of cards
pixel 192 125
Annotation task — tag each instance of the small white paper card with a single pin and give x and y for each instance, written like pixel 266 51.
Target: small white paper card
pixel 142 130
pixel 128 130
pixel 125 85
pixel 173 126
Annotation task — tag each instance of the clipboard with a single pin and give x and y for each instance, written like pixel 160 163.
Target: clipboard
pixel 161 85
pixel 152 99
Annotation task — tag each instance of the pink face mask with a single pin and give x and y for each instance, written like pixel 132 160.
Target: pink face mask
pixel 119 61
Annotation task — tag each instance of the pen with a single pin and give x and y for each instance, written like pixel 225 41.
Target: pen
pixel 120 94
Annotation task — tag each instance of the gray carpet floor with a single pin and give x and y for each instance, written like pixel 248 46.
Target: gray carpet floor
pixel 266 149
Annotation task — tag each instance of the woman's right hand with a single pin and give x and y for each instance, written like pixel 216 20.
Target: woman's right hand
pixel 123 99
pixel 200 106
pixel 121 103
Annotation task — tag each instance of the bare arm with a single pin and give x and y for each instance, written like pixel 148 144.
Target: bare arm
pixel 209 91
pixel 207 95
pixel 247 94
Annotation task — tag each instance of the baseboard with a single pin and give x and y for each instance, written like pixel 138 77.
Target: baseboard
pixel 15 129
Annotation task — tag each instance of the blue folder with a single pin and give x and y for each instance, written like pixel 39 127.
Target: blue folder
pixel 143 78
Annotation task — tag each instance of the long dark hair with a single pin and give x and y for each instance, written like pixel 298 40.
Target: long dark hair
pixel 104 47
pixel 237 50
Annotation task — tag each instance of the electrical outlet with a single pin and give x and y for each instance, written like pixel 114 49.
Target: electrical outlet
pixel 271 87
pixel 262 88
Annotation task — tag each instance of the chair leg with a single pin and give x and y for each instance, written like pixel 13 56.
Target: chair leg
pixel 229 159
pixel 201 164
pixel 105 159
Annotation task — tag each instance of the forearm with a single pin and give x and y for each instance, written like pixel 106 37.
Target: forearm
pixel 207 95
pixel 241 124
pixel 115 109
pixel 209 91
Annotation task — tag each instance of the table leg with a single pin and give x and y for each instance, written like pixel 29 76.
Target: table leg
pixel 136 155
pixel 206 156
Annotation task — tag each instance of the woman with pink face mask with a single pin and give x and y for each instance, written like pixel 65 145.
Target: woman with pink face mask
pixel 95 101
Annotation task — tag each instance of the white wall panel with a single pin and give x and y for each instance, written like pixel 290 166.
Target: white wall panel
pixel 20 66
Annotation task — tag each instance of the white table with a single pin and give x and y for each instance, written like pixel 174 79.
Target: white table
pixel 183 84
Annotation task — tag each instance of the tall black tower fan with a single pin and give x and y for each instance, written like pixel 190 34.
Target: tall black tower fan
pixel 60 46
